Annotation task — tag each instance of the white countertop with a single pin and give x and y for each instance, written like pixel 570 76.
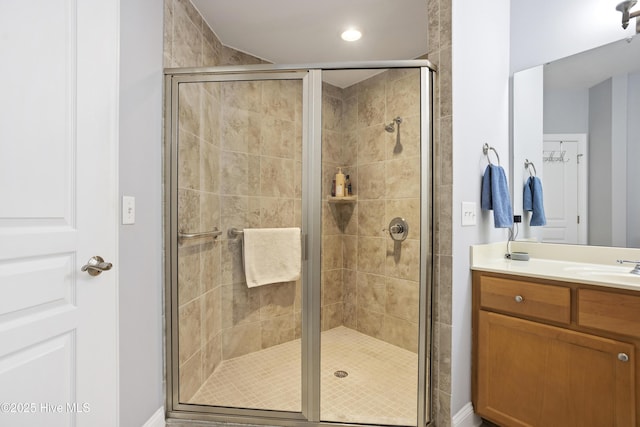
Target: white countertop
pixel 579 264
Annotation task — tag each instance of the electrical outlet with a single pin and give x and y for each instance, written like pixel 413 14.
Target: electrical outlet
pixel 468 213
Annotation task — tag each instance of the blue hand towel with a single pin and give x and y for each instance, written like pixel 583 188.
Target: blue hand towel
pixel 495 196
pixel 532 201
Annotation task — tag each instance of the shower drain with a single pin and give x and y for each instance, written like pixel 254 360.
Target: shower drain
pixel 340 374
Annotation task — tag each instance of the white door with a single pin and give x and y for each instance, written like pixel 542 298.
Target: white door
pixel 58 146
pixel 564 174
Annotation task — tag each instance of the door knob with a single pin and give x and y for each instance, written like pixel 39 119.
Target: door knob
pixel 96 265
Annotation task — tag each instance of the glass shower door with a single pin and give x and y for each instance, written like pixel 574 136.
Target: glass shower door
pixel 239 166
pixel 371 250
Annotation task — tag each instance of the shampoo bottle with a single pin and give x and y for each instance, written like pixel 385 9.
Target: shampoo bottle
pixel 340 183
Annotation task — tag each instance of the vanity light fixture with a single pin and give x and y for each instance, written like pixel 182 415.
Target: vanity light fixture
pixel 351 35
pixel 625 8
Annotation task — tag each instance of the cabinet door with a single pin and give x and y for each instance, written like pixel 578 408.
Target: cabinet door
pixel 530 374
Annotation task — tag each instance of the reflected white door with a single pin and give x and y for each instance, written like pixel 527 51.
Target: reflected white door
pixel 564 188
pixel 58 205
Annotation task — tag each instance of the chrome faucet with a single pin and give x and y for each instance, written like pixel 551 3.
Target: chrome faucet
pixel 636 269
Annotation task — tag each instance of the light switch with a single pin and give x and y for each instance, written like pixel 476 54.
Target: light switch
pixel 468 213
pixel 128 210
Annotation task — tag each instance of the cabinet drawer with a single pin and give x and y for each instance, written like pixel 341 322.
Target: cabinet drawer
pixel 527 299
pixel 609 311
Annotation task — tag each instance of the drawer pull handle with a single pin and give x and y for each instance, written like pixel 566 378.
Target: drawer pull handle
pixel 623 357
pixel 519 298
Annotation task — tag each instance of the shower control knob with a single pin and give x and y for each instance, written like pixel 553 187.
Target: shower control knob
pixel 398 229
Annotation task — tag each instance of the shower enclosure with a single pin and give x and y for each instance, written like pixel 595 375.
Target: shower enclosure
pixel 258 147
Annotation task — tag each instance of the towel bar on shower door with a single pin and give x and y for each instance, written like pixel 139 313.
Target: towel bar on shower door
pixel 233 232
pixel 185 236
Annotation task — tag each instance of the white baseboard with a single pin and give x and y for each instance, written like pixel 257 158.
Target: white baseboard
pixel 157 419
pixel 465 417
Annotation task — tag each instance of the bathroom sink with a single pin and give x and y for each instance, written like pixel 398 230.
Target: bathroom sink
pixel 609 276
pixel 604 274
pixel 591 269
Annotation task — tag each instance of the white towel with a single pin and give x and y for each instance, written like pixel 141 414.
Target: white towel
pixel 271 255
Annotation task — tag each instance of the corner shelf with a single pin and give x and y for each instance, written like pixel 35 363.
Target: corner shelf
pixel 345 199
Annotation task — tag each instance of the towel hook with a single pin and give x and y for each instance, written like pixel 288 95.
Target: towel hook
pixel 528 165
pixel 485 150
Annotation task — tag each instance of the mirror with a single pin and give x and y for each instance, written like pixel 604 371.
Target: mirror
pixel 577 120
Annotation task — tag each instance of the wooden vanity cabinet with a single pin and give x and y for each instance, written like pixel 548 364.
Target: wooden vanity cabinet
pixel 551 353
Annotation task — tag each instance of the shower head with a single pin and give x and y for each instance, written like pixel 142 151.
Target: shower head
pixel 391 126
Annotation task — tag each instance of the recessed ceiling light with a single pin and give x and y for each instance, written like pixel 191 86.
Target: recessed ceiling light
pixel 351 35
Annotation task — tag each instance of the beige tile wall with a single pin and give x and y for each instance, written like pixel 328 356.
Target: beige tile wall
pixel 439 45
pixel 370 283
pixel 189 42
pixel 333 222
pixel 199 261
pixel 260 164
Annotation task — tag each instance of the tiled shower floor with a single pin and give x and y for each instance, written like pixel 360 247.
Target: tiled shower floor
pixel 380 387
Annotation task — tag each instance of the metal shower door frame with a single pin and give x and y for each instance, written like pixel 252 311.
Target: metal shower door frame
pixel 311 76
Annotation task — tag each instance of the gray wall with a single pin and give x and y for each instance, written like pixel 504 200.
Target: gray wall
pixel 480 114
pixel 600 163
pixel 140 245
pixel 527 129
pixel 619 125
pixel 566 111
pixel 633 154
